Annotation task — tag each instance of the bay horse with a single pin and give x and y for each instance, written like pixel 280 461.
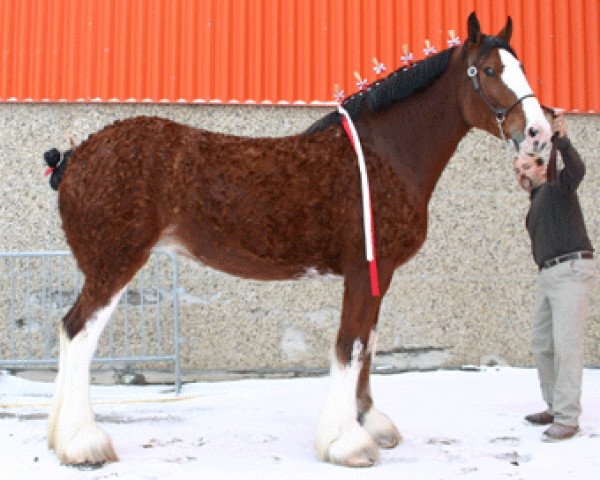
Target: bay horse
pixel 280 208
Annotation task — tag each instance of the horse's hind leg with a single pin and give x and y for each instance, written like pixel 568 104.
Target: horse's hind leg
pixel 72 430
pixel 59 382
pixel 348 431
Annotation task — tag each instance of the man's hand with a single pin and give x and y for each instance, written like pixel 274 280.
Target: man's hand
pixel 559 126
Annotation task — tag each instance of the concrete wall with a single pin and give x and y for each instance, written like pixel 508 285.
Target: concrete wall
pixel 464 299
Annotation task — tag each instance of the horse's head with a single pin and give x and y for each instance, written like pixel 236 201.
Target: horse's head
pixel 495 94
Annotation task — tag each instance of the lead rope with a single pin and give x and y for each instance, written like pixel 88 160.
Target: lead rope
pixel 368 224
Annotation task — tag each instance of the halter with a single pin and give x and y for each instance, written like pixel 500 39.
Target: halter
pixel 499 112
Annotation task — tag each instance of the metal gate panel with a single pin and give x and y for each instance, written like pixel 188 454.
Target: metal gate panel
pixel 38 288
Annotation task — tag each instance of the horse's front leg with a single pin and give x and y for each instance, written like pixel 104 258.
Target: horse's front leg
pixel 379 426
pixel 350 430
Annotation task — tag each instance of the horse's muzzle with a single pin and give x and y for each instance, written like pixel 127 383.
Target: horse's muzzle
pixel 534 139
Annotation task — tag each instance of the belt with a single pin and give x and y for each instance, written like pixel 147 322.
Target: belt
pixel 565 258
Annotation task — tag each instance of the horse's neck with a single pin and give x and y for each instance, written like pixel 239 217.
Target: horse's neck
pixel 420 134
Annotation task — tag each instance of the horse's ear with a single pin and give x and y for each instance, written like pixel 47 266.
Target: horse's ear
pixel 474 29
pixel 506 32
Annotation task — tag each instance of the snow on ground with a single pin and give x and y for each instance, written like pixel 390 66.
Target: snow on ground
pixel 456 425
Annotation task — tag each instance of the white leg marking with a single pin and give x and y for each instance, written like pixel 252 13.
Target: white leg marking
pixel 372 345
pixel 76 436
pixel 58 392
pixel 340 438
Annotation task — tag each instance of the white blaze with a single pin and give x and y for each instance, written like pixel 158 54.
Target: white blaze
pixel 514 78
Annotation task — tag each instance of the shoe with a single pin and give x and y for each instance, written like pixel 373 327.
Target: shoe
pixel 558 431
pixel 542 418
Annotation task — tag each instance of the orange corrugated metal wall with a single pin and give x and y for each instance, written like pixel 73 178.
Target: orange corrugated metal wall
pixel 272 51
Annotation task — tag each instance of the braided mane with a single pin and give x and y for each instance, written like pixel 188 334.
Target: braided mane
pixel 397 86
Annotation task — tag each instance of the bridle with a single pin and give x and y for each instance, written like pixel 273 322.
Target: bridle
pixel 500 113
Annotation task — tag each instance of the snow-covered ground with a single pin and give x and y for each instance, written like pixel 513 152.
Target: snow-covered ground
pixel 456 425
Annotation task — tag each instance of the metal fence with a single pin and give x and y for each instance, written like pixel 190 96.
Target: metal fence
pixel 38 288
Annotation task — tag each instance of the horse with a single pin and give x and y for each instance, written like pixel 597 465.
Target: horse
pixel 280 208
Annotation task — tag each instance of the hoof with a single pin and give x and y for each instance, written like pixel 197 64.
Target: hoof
pixel 84 467
pixel 89 448
pixel 353 448
pixel 381 428
pixel 388 440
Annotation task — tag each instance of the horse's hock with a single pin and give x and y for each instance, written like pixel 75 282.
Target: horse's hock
pixel 464 299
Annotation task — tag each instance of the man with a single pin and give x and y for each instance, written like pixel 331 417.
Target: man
pixel 567 274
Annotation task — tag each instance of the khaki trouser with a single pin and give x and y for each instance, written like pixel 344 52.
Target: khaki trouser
pixel 559 317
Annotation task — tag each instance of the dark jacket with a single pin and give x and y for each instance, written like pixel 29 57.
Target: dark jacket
pixel 555 221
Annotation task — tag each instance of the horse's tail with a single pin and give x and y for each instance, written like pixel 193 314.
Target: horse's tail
pixel 57 163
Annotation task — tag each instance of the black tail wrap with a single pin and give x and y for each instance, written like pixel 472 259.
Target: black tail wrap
pixel 58 163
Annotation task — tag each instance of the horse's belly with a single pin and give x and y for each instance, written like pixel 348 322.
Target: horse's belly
pixel 222 255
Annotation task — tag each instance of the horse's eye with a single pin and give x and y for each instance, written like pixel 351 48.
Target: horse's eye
pixel 489 71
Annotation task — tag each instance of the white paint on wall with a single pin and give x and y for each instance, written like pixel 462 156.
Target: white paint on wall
pixel 293 344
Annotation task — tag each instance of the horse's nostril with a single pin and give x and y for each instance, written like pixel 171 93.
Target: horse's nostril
pixel 533 132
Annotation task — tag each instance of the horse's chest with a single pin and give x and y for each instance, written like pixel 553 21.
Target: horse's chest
pixel 401 224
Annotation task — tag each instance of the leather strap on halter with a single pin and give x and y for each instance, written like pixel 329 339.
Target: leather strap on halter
pixel 499 112
pixel 368 223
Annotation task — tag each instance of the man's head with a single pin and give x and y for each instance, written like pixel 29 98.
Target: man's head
pixel 530 172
